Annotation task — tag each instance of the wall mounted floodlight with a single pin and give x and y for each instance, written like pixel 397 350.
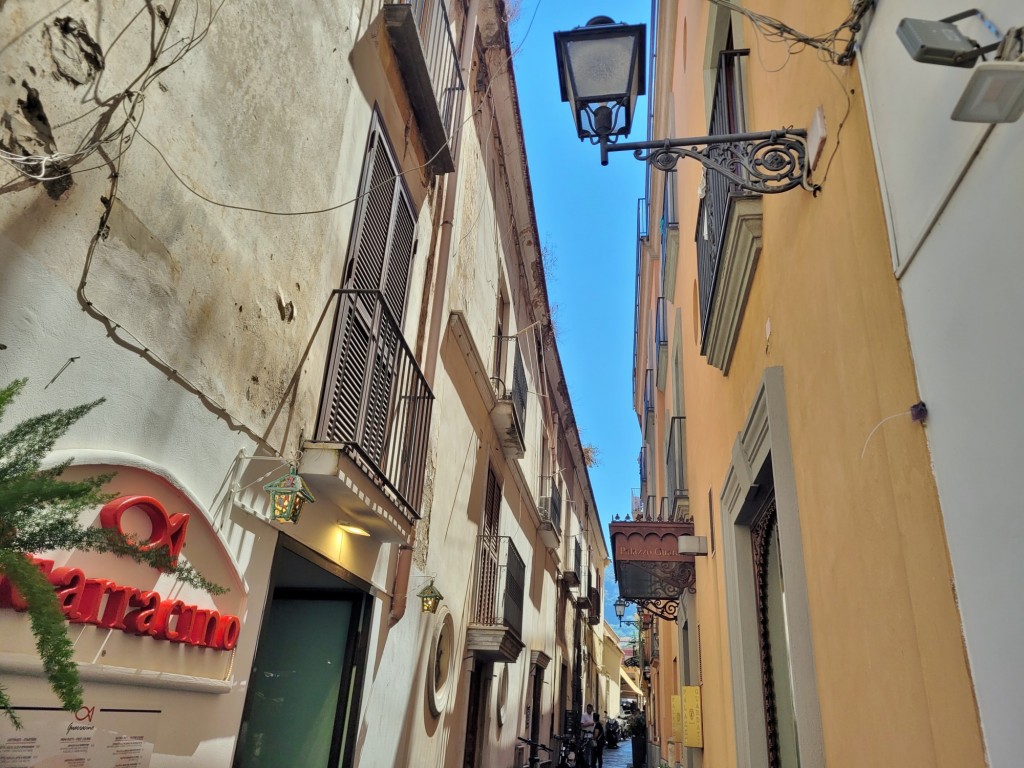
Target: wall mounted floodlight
pixel 601 74
pixel 941 42
pixel 994 94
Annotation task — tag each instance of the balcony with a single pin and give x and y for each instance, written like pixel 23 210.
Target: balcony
pixel 496 625
pixel 368 455
pixel 550 512
pixel 509 412
pixel 594 607
pixel 583 598
pixel 675 471
pixel 661 341
pixel 669 236
pixel 642 236
pixel 571 575
pixel 421 37
pixel 728 232
pixel 641 461
pixel 648 420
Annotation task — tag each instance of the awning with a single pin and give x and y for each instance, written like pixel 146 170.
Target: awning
pixel 628 681
pixel 648 565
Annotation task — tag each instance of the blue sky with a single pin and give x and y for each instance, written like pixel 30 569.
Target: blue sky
pixel 586 215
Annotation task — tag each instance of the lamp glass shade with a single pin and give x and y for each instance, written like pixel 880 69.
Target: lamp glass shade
pixel 288 495
pixel 430 598
pixel 994 94
pixel 620 607
pixel 602 65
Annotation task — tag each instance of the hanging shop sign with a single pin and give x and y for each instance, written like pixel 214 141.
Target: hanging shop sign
pixel 104 603
pixel 647 560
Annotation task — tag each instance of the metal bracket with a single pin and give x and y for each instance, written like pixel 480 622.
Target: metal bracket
pixel 663 609
pixel 764 163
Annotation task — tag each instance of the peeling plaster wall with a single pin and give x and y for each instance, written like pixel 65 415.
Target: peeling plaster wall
pixel 191 319
pixel 206 328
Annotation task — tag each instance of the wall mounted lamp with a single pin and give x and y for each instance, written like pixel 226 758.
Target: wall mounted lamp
pixel 601 74
pixel 288 495
pixel 995 92
pixel 430 598
pixel 620 611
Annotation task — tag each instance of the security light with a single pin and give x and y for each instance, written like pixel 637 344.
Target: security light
pixel 995 94
pixel 937 42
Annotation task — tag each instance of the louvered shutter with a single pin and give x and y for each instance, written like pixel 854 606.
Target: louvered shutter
pixel 357 401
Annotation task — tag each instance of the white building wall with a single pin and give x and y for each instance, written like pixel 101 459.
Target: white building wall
pixel 960 271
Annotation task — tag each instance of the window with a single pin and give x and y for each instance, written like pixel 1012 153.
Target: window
pixel 728 231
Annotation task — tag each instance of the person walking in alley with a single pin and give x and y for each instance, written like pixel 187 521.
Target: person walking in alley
pixel 587 722
pixel 597 749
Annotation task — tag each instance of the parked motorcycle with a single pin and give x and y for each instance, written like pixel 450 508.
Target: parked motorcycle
pixel 612 733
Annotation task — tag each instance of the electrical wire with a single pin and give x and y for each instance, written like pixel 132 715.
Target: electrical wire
pixel 837 43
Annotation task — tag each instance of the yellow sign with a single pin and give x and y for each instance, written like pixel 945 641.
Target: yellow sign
pixel 693 723
pixel 677 718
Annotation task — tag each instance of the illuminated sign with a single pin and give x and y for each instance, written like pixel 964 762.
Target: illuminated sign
pixel 104 603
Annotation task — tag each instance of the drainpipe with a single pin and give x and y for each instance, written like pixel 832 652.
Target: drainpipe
pixel 937 214
pixel 400 592
pixel 400 588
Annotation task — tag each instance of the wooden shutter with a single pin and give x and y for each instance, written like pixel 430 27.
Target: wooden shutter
pixel 360 377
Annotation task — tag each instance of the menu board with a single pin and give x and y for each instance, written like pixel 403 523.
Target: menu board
pixel 55 738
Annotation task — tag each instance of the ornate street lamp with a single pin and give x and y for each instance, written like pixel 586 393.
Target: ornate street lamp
pixel 601 73
pixel 620 611
pixel 288 495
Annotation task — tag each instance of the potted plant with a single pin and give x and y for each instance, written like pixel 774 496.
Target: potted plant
pixel 636 728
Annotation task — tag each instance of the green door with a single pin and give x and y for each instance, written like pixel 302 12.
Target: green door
pixel 299 690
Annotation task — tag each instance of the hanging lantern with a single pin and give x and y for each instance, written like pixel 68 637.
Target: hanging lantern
pixel 288 495
pixel 430 598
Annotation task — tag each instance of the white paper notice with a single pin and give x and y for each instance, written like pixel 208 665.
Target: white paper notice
pixel 53 738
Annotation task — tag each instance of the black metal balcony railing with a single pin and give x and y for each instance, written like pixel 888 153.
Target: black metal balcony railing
pixel 675 462
pixel 577 559
pixel 661 339
pixel 648 418
pixel 379 404
pixel 641 460
pixel 661 324
pixel 726 117
pixel 551 500
pixel 501 584
pixel 519 390
pixel 642 225
pixel 441 64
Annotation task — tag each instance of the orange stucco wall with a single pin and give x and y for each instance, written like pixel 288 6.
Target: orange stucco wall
pixel 893 682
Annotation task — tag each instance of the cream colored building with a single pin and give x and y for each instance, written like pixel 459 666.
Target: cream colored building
pixel 298 238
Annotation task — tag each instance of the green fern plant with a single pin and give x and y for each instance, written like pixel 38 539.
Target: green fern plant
pixel 40 512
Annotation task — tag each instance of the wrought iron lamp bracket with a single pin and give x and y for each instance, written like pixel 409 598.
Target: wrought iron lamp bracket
pixel 763 163
pixel 666 608
pixel 663 609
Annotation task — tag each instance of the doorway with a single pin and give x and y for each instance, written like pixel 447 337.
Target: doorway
pixel 303 698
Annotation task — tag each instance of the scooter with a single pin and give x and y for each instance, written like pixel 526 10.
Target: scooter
pixel 611 733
